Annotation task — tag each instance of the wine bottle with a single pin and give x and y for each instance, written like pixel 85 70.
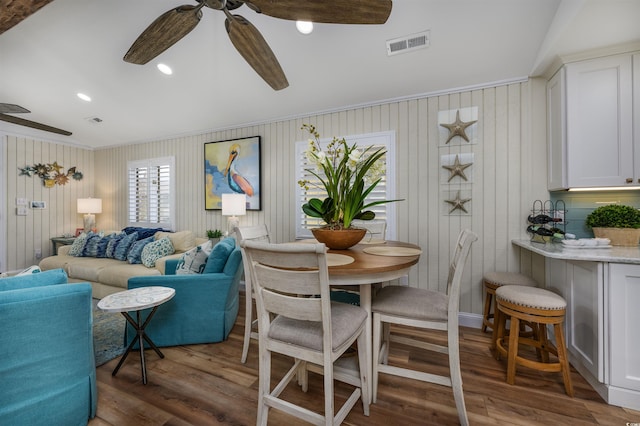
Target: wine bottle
pixel 542 219
pixel 545 232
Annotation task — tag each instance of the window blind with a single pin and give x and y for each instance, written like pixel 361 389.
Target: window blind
pixel 151 184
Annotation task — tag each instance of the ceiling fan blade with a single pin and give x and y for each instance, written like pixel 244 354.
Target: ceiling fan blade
pixel 33 124
pixel 326 11
pixel 12 109
pixel 254 49
pixel 163 33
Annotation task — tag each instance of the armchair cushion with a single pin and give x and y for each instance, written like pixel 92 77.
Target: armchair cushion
pixel 219 255
pixel 40 279
pixel 194 260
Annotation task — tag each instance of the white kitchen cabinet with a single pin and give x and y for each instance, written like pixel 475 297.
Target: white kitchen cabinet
pixel 624 325
pixel 581 284
pixel 590 124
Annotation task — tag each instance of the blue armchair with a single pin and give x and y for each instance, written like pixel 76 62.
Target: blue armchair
pixel 205 306
pixel 47 364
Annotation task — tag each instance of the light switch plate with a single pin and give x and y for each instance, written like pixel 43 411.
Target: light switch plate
pixel 21 211
pixel 21 201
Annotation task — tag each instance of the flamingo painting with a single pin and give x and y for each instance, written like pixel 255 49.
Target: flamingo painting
pixel 237 182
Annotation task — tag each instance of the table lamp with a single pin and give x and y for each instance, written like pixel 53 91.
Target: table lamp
pixel 233 205
pixel 89 206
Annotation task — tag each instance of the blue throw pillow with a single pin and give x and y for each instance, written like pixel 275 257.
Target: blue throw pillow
pixel 78 244
pixel 113 243
pixel 135 252
pixel 219 255
pixel 142 232
pixel 122 249
pixel 90 248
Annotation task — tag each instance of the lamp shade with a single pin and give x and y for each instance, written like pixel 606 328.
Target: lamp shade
pixel 234 204
pixel 89 205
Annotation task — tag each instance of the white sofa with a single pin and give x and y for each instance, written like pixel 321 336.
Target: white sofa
pixel 109 276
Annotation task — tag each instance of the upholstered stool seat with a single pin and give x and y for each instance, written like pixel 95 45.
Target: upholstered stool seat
pixel 494 279
pixel 538 307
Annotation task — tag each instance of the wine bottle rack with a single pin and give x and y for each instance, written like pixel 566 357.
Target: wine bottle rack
pixel 547 221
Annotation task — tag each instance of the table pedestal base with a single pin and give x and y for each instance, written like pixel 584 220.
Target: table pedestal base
pixel 141 337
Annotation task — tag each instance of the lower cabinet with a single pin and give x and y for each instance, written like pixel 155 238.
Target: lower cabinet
pixel 581 284
pixel 624 326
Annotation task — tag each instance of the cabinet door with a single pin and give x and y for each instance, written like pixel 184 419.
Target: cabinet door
pixel 599 122
pixel 624 338
pixel 636 116
pixel 556 121
pixel 585 315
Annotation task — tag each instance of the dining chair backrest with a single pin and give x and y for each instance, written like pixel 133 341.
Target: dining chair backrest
pixel 286 279
pixel 456 269
pixel 249 233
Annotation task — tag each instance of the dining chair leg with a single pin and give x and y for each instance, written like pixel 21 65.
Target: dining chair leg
pixel 248 324
pixel 265 387
pixel 377 335
pixel 364 377
pixel 328 395
pixel 456 375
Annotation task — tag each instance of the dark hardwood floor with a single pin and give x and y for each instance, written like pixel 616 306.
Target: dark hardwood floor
pixel 207 385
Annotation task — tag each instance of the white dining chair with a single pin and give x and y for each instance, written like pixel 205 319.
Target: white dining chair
pixel 425 309
pixel 297 318
pixel 249 233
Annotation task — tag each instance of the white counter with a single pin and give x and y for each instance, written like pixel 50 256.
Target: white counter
pixel 615 254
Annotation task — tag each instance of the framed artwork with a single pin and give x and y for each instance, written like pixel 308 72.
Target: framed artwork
pixel 38 205
pixel 79 231
pixel 232 167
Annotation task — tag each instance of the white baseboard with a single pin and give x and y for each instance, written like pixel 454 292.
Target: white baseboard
pixel 466 319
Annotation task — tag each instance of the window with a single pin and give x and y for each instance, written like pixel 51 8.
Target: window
pixel 151 193
pixel 384 190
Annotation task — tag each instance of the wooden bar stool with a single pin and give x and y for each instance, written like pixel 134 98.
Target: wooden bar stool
pixel 538 307
pixel 494 279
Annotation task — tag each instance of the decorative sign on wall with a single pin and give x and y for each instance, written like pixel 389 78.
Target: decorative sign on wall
pixel 51 173
pixel 457 125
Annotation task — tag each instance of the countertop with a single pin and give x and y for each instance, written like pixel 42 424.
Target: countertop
pixel 615 254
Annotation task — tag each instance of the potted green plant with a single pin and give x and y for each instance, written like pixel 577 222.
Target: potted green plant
pixel 347 174
pixel 617 222
pixel 214 235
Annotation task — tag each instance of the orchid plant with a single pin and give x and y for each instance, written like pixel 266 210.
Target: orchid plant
pixel 347 174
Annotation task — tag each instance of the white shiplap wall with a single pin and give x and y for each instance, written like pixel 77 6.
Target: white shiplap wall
pixel 509 172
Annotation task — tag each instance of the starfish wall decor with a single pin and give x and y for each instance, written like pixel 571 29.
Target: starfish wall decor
pixel 458 128
pixel 51 174
pixel 457 169
pixel 458 203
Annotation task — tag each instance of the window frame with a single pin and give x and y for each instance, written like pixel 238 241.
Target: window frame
pixel 388 141
pixel 149 164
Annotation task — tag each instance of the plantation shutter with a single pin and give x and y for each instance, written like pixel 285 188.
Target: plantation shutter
pixel 385 190
pixel 151 184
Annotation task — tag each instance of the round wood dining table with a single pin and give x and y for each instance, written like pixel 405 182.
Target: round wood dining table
pixel 368 269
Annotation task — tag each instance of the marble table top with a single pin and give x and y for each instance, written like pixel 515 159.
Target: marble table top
pixel 615 254
pixel 136 299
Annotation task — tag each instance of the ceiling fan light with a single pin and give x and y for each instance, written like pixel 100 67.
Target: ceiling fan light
pixel 84 97
pixel 165 69
pixel 304 27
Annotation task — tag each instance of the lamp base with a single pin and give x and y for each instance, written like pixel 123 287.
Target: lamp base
pixel 89 222
pixel 232 223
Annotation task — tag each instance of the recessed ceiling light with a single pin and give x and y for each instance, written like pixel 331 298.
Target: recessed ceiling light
pixel 84 97
pixel 305 27
pixel 165 69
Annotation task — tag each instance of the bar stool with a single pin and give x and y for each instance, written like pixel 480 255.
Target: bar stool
pixel 494 279
pixel 538 307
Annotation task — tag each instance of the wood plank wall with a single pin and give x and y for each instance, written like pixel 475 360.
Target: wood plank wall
pixel 509 172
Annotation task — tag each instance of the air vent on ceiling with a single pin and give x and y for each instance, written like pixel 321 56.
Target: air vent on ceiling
pixel 408 43
pixel 94 120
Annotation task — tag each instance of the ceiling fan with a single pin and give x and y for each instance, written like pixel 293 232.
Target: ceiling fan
pixel 6 109
pixel 173 25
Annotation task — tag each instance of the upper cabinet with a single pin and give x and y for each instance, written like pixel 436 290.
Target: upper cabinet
pixel 590 124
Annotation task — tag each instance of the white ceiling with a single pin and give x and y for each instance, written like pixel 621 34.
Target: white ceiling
pixel 72 46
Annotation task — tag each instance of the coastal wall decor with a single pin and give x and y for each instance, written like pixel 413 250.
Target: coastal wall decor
pixel 457 126
pixel 458 202
pixel 456 168
pixel 232 167
pixel 51 174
